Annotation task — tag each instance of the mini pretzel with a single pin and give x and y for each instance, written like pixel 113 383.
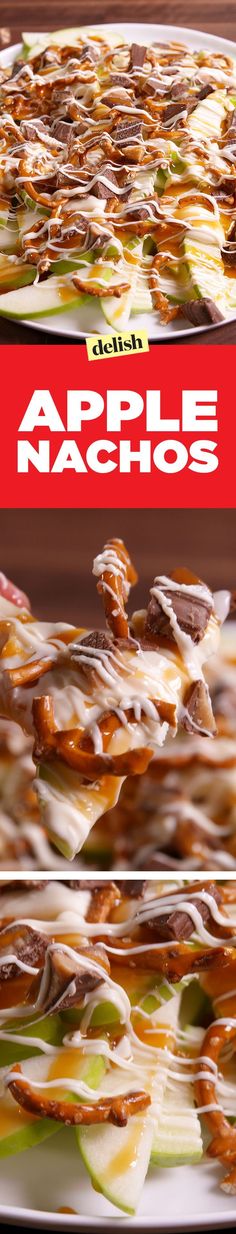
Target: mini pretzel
pixel 223 1144
pixel 175 961
pixel 115 1110
pixel 114 588
pixel 30 672
pixel 66 745
pixel 96 289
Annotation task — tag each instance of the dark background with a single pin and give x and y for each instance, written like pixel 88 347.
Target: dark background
pixel 49 553
pixel 215 17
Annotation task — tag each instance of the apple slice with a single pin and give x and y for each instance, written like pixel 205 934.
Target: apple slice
pixel 34 43
pixel 207 118
pixel 19 1130
pixel 117 1158
pixel 56 295
pixel 50 1029
pixel 117 311
pixel 8 229
pixel 14 273
pixel 178 1139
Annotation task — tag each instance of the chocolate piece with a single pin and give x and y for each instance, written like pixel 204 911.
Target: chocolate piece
pixel 179 925
pixel 227 187
pixel 137 56
pixel 62 130
pixel 228 253
pixel 88 53
pixel 151 86
pixel 103 190
pixel 180 91
pixel 30 131
pixel 198 716
pixel 96 639
pixel 67 984
pixel 132 887
pixel 201 312
pixel 173 109
pixel 28 946
pixel 203 93
pixel 123 131
pixel 231 123
pixel 121 79
pixel 192 613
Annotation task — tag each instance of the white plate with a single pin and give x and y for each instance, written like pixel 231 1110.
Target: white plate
pixel 89 320
pixel 52 1175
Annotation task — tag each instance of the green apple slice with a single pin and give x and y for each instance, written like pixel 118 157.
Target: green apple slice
pixel 117 1158
pixel 68 807
pixel 202 247
pixel 117 311
pixel 50 1029
pixel 142 300
pixel 19 1130
pixel 34 43
pixel 177 1139
pixel 26 217
pixel 144 184
pixel 207 118
pixel 55 295
pixel 14 274
pixel 8 229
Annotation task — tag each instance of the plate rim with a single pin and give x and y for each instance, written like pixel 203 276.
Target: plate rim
pixel 48 1220
pixel 213 40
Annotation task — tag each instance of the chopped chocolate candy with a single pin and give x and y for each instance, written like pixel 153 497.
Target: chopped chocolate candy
pixel 62 130
pixel 104 190
pixel 226 186
pixel 124 131
pixel 228 253
pixel 137 56
pixel 179 924
pixel 231 124
pixel 173 109
pixel 121 79
pixel 132 887
pixel 201 312
pixel 192 613
pixel 67 984
pixel 30 130
pixel 151 86
pixel 29 946
pixel 203 93
pixel 96 639
pixel 198 714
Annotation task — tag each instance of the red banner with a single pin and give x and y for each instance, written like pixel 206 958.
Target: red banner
pixel 154 429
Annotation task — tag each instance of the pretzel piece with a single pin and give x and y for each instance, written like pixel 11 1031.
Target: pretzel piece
pixel 114 582
pixel 115 1110
pixel 65 744
pixel 223 1144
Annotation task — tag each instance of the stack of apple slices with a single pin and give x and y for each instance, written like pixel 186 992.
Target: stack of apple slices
pixel 117 1158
